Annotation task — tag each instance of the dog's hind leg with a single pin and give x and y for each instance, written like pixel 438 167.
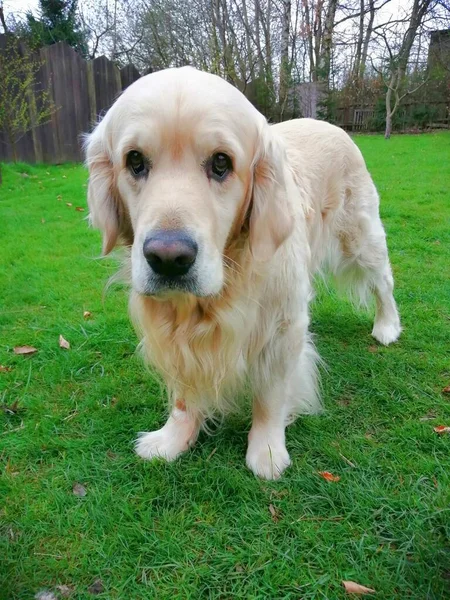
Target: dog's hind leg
pixel 386 328
pixel 364 268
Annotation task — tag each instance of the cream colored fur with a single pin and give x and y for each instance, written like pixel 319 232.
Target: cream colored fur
pixel 299 200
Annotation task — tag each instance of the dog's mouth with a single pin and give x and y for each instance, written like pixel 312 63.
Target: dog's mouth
pixel 165 286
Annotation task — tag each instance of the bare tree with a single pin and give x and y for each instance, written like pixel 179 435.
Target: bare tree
pixel 398 58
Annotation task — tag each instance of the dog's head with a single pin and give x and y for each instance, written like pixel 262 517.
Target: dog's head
pixel 180 164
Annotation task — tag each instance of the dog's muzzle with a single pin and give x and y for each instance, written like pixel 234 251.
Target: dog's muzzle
pixel 170 254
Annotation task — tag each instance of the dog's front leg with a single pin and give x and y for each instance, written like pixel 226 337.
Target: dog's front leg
pixel 284 380
pixel 267 456
pixel 178 434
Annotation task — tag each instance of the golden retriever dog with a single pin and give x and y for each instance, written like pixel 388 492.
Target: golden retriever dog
pixel 228 219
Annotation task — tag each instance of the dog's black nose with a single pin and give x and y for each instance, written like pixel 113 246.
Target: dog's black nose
pixel 170 253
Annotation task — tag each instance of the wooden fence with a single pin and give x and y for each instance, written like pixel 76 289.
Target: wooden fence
pixel 357 118
pixel 81 91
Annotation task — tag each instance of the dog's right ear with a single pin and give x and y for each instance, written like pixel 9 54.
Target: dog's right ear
pixel 106 208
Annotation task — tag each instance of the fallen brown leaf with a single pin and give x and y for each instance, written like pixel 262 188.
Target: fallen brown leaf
pixel 274 513
pixel 68 203
pixel 87 314
pixel 96 587
pixel 355 588
pixel 12 409
pixel 79 208
pixel 63 343
pixel 64 590
pixel 79 490
pixel 441 429
pixel 446 390
pixel 4 369
pixel 373 349
pixel 24 350
pixel 329 476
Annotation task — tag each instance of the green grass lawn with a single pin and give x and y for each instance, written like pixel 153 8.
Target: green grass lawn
pixel 204 526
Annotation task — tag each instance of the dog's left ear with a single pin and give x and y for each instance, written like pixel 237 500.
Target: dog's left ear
pixel 271 218
pixel 107 211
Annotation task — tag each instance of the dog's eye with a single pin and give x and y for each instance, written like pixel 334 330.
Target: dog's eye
pixel 137 163
pixel 220 165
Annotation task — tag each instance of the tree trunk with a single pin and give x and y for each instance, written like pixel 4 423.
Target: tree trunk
pixel 389 109
pixel 285 71
pixel 2 20
pixel 359 43
pixel 14 150
pixel 258 39
pixel 367 38
pixel 327 43
pixel 388 129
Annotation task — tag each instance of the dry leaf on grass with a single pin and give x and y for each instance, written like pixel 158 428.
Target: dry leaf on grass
pixel 274 513
pixel 329 476
pixel 87 314
pixel 446 390
pixel 79 490
pixel 373 349
pixel 79 208
pixel 64 590
pixel 441 429
pixel 63 343
pixel 4 369
pixel 24 350
pixel 68 203
pixel 12 409
pixel 355 588
pixel 96 587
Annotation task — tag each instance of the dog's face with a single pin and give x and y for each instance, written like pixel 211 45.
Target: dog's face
pixel 175 166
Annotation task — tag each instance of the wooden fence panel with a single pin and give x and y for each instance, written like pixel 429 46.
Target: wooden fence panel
pixel 107 84
pixel 82 91
pixel 128 75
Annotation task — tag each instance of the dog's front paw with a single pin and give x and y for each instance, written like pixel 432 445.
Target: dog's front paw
pixel 386 332
pixel 159 444
pixel 178 435
pixel 267 460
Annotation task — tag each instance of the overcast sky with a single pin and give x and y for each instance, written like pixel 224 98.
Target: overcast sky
pixel 21 6
pixel 18 6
